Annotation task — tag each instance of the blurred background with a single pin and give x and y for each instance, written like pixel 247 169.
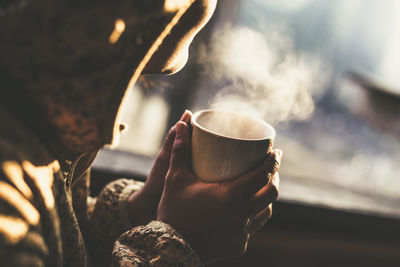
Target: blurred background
pixel 326 74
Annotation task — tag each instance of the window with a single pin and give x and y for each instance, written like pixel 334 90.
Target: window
pixel 325 73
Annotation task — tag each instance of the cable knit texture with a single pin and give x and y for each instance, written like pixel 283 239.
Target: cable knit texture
pixel 156 244
pixel 62 83
pixel 110 216
pixel 41 224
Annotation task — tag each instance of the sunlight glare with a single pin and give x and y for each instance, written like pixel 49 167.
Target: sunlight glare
pixel 119 28
pixel 14 173
pixel 10 195
pixel 13 229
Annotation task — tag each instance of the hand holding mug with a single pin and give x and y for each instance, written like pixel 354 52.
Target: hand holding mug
pixel 142 204
pixel 213 216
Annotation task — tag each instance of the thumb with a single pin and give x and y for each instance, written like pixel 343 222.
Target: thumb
pixel 180 157
pixel 161 165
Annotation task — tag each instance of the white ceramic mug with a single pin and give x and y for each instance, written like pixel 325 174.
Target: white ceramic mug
pixel 227 144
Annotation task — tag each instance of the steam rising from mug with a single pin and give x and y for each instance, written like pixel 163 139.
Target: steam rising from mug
pixel 261 74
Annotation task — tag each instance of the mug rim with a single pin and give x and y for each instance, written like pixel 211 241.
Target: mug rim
pixel 196 115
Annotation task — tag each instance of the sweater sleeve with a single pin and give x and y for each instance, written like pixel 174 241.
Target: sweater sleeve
pixel 154 244
pixel 109 218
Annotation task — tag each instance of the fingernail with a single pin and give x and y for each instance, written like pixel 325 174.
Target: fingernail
pixel 185 116
pixel 179 129
pixel 278 154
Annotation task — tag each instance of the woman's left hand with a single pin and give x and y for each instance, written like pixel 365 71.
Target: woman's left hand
pixel 142 204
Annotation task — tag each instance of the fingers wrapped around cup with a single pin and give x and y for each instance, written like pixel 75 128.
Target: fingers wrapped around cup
pixel 213 216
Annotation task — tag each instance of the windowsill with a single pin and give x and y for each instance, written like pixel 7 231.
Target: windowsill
pixel 324 234
pixel 124 164
pixel 336 197
pixel 294 190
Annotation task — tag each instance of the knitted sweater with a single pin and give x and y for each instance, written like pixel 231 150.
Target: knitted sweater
pixel 47 221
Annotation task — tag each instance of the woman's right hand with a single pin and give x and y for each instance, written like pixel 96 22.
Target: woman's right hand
pixel 216 218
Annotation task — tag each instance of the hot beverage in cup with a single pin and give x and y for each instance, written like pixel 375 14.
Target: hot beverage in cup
pixel 227 144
